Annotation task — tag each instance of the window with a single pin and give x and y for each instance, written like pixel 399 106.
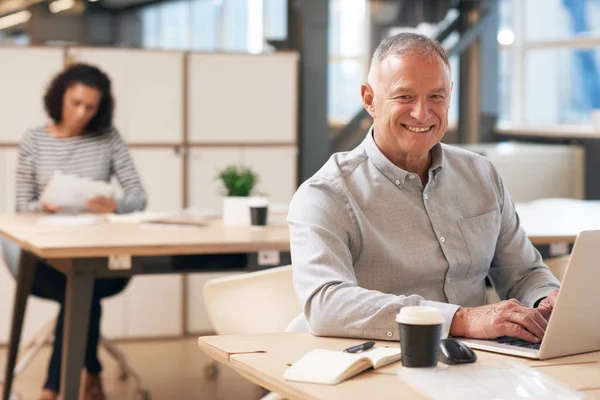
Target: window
pixel 549 61
pixel 213 25
pixel 348 58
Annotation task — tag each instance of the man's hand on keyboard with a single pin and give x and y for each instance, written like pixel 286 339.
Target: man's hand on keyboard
pixel 547 305
pixel 507 318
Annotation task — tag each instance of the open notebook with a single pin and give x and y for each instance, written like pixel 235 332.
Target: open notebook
pixel 330 367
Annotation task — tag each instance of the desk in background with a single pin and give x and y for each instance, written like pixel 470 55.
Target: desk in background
pixel 557 222
pixel 264 358
pixel 83 252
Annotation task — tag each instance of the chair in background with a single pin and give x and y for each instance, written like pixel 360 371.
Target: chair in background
pixel 45 335
pixel 255 302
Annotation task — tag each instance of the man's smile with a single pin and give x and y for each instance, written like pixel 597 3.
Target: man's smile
pixel 417 129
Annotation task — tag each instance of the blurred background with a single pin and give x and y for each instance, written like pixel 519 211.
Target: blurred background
pixel 275 85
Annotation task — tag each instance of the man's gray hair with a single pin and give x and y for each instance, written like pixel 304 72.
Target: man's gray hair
pixel 408 43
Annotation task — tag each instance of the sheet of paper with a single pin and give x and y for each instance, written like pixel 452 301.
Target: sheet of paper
pixel 70 191
pixel 487 380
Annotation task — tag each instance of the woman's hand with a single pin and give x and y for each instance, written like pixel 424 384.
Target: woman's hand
pixel 50 208
pixel 101 205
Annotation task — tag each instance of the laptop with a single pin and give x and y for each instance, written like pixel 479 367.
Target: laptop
pixel 574 325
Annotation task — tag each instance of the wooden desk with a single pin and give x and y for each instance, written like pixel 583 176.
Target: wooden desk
pixel 82 252
pixel 548 221
pixel 264 358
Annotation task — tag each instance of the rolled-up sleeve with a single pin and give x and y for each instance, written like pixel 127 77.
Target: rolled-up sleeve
pixel 322 234
pixel 517 270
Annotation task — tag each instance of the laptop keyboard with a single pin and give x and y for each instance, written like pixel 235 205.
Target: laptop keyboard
pixel 513 341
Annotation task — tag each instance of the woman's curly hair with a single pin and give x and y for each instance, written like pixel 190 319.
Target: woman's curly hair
pixel 87 75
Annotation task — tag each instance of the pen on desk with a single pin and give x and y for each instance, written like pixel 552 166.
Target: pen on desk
pixel 360 347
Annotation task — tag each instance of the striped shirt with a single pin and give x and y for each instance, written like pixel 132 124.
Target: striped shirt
pixel 98 157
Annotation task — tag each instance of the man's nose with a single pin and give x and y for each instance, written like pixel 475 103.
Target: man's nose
pixel 420 111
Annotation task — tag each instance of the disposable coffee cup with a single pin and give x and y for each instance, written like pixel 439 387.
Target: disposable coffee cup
pixel 420 335
pixel 259 209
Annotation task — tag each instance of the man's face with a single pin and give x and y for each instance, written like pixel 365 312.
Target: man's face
pixel 408 98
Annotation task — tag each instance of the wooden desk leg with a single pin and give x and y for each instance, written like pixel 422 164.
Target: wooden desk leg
pixel 27 268
pixel 78 303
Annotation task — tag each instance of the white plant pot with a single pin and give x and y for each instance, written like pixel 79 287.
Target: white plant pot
pixel 236 210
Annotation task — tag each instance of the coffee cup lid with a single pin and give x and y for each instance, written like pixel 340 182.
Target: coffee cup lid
pixel 419 315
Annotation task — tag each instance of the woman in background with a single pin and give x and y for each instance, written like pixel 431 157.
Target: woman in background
pixel 82 141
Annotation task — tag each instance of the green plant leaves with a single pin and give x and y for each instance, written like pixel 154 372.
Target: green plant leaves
pixel 238 180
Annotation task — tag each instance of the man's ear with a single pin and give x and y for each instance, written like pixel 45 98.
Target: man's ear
pixel 366 92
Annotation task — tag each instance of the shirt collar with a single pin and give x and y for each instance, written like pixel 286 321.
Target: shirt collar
pixel 389 169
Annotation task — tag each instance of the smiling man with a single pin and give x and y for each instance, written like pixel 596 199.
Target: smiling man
pixel 405 220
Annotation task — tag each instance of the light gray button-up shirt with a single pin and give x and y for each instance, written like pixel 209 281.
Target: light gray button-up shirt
pixel 368 238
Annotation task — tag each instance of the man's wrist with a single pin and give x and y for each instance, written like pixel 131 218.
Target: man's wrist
pixel 458 325
pixel 537 303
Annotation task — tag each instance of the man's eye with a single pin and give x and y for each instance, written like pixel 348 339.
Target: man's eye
pixel 404 97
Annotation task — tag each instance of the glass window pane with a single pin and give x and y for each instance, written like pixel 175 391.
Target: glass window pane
pixel 174 25
pixel 565 90
pixel 235 25
pixel 453 111
pixel 205 17
pixel 275 12
pixel 504 82
pixel 505 14
pixel 559 19
pixel 150 26
pixel 344 80
pixel 347 27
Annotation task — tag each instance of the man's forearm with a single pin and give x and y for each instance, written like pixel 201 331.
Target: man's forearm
pixel 349 311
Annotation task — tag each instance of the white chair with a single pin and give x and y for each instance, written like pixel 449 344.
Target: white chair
pixel 256 302
pixel 11 254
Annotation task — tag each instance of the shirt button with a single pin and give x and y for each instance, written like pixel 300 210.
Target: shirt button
pixel 411 177
pixel 389 334
pixel 442 239
pixel 425 196
pixel 397 182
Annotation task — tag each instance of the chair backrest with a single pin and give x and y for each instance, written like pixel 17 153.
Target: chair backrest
pixel 255 302
pixel 11 254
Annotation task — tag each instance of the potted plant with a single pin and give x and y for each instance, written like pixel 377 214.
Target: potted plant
pixel 239 183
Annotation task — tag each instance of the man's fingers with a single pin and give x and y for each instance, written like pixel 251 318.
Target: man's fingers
pixel 527 321
pixel 520 332
pixel 542 322
pixel 545 312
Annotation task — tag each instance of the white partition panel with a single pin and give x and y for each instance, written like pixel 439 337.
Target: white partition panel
pixel 154 306
pixel 25 73
pixel 242 98
pixel 276 168
pixel 148 90
pixel 205 190
pixel 161 171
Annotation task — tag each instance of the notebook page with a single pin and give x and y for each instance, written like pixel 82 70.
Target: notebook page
pixel 382 356
pixel 326 367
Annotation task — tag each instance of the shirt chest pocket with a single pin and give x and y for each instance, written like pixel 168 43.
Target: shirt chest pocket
pixel 481 235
